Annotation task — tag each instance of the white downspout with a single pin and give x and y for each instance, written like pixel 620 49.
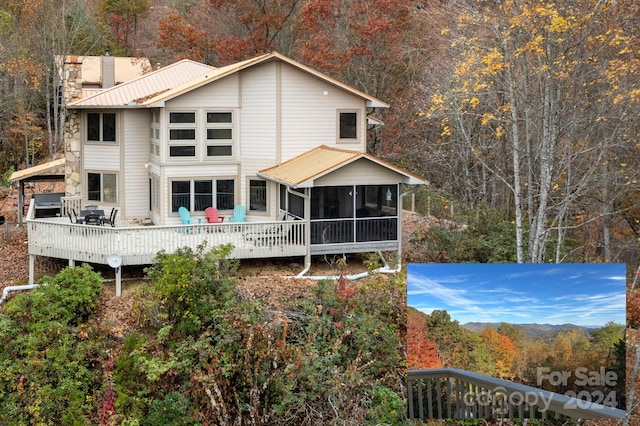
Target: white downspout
pixel 382 270
pixel 307 230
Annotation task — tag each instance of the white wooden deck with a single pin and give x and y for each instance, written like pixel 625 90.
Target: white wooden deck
pixel 138 245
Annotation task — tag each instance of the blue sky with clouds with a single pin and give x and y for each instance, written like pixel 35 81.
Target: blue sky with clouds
pixel 581 294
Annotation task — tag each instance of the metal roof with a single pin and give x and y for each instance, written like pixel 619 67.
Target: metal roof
pixel 301 171
pixel 152 90
pixel 135 93
pixel 55 167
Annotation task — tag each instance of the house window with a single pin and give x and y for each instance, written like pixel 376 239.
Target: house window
pixel 198 194
pixel 154 134
pixel 155 193
pixel 102 187
pixel 257 195
pixel 101 127
pixel 348 126
pixel 182 134
pixel 219 134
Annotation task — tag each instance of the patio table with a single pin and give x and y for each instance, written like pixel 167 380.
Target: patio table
pixel 92 217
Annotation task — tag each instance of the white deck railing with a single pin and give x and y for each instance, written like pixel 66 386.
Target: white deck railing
pixel 138 245
pixel 459 394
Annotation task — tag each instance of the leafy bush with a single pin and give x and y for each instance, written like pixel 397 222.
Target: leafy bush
pixel 48 358
pixel 186 288
pixel 70 297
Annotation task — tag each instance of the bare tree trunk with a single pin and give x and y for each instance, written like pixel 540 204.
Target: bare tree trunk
pixel 517 185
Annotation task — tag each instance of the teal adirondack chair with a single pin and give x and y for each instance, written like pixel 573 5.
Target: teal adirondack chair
pixel 239 214
pixel 184 216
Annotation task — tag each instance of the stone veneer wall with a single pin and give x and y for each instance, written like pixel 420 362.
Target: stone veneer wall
pixel 72 143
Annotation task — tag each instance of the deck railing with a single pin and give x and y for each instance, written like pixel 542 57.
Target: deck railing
pixel 138 245
pixel 329 231
pixel 459 394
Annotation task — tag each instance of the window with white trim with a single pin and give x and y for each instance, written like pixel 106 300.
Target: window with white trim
pixel 219 134
pixel 102 187
pixel 101 126
pixel 257 195
pixel 182 134
pixel 154 193
pixel 347 126
pixel 198 194
pixel 154 134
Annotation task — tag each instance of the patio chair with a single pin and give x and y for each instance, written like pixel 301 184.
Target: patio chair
pixel 211 213
pixel 185 217
pixel 112 218
pixel 75 218
pixel 239 214
pixel 274 235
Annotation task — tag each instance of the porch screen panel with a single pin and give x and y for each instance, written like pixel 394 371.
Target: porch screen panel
pixel 332 202
pixel 384 229
pixel 376 200
pixel 291 203
pixel 331 231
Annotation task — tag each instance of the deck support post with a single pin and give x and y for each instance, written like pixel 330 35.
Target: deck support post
pixel 32 267
pixel 118 271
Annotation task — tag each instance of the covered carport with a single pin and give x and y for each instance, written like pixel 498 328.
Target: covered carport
pixel 53 171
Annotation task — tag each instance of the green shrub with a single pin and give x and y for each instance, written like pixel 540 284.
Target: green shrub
pixel 187 288
pixel 70 297
pixel 48 358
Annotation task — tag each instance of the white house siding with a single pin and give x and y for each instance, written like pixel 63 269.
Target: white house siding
pixel 101 157
pixel 134 190
pixel 361 172
pixel 219 94
pixel 309 116
pixel 259 116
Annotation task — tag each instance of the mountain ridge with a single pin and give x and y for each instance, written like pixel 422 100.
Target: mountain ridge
pixel 528 328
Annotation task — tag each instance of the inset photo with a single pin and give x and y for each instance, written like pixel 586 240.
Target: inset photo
pixel 544 339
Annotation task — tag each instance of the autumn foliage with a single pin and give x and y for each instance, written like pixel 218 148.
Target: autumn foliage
pixel 422 352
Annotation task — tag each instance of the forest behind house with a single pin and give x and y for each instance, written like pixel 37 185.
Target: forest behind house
pixel 522 115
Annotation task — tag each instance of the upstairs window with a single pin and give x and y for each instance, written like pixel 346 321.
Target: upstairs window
pixel 219 134
pixel 348 126
pixel 101 127
pixel 182 134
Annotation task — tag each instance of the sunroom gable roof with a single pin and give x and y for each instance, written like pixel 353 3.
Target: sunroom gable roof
pixel 303 170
